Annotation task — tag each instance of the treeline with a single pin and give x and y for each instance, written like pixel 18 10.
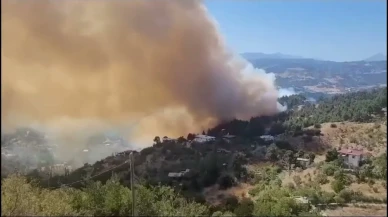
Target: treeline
pixel 293 100
pixel 357 106
pixel 20 197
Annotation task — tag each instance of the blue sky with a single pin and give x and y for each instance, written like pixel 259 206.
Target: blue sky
pixel 339 30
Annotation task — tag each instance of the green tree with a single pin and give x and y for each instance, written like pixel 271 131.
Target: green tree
pixel 226 181
pixel 245 208
pixel 272 152
pixel 338 185
pixel 311 157
pixel 331 155
pixel 157 140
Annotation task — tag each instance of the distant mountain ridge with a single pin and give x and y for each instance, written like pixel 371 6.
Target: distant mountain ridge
pixel 314 76
pixel 259 55
pixel 274 56
pixel 376 57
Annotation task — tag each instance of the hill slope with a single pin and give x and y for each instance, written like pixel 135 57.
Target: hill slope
pixel 329 77
pixel 376 57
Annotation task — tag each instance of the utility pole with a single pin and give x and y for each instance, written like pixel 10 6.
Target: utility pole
pixel 132 170
pixel 50 174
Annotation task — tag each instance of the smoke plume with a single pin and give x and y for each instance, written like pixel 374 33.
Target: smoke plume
pixel 286 92
pixel 78 67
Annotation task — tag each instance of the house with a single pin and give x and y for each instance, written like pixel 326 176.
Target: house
pixel 302 200
pixel 166 139
pixel 351 157
pixel 384 110
pixel 178 175
pixel 221 150
pixel 303 161
pixel 203 138
pixel 228 136
pixel 267 138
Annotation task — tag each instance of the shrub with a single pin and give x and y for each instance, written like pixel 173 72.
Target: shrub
pixel 217 214
pixel 245 208
pixel 225 181
pixel 329 169
pixel 340 175
pixel 346 195
pixel 339 200
pixel 290 185
pixel 297 180
pixel 327 197
pixel 321 178
pixel 338 185
pixel 307 138
pixel 333 125
pixel 331 155
pixel 231 203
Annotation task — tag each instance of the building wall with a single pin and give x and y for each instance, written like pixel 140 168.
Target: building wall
pixel 353 160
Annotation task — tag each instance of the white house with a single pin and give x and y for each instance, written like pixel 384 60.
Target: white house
pixel 221 150
pixel 203 138
pixel 303 161
pixel 228 136
pixel 180 174
pixel 351 157
pixel 166 139
pixel 267 138
pixel 302 200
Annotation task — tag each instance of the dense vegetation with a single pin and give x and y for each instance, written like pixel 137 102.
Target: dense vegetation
pixel 360 106
pixel 21 197
pixel 357 107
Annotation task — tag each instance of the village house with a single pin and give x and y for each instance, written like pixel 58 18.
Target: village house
pixel 384 111
pixel 204 138
pixel 302 200
pixel 228 138
pixel 178 175
pixel 351 157
pixel 267 138
pixel 221 150
pixel 166 139
pixel 303 161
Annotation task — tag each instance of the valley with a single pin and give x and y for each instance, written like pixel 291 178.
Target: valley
pixel 317 77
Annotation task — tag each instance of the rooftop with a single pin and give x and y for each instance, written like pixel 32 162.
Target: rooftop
pixel 204 137
pixel 351 151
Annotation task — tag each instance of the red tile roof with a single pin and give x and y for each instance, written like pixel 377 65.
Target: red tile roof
pixel 351 151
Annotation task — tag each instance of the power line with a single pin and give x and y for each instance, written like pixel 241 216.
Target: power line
pixel 65 185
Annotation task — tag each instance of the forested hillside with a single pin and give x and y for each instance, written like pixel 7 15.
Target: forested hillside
pixel 362 106
pixel 224 164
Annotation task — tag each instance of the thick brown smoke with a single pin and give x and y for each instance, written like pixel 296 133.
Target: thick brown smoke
pixel 89 64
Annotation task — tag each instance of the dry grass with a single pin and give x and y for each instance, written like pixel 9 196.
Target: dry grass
pixel 214 195
pixel 367 210
pixel 309 174
pixel 371 137
pixel 304 175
